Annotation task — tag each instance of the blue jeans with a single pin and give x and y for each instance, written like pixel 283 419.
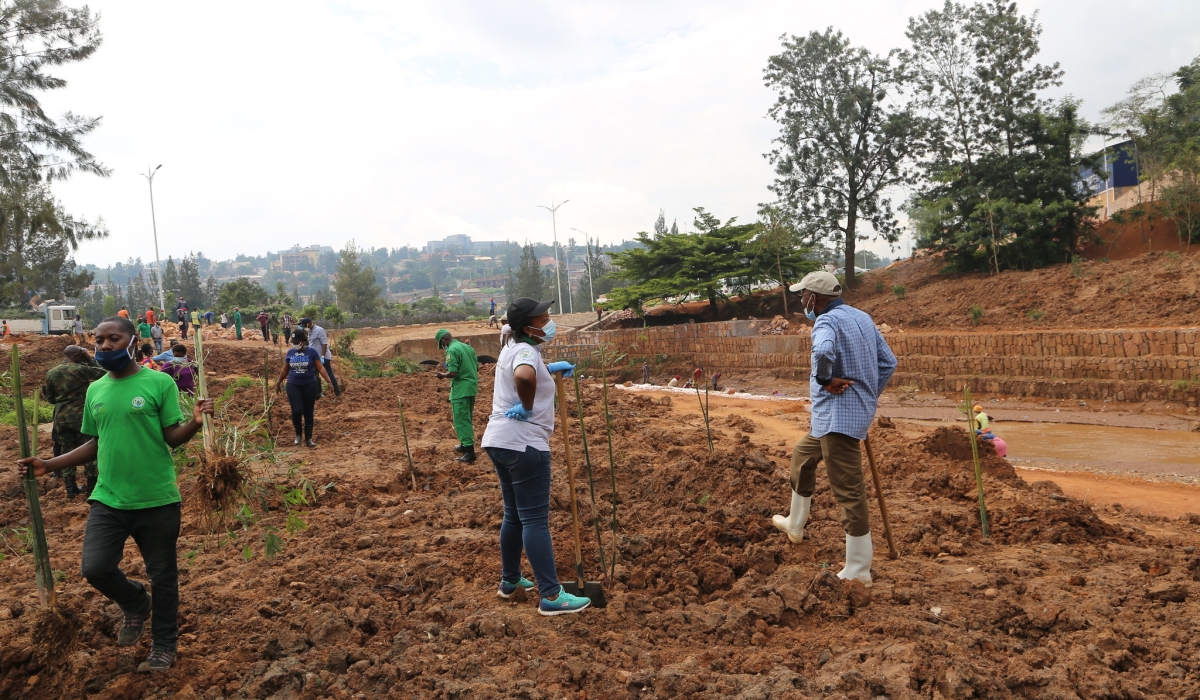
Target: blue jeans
pixel 158 345
pixel 156 531
pixel 525 485
pixel 329 368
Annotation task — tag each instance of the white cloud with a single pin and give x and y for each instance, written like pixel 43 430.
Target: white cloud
pixel 397 122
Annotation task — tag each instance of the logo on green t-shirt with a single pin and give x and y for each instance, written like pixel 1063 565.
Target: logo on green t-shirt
pixel 138 402
pixel 98 408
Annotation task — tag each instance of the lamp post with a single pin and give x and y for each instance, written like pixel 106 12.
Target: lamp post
pixel 591 286
pixel 553 209
pixel 162 302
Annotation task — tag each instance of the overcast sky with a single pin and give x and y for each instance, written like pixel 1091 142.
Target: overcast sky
pixel 394 123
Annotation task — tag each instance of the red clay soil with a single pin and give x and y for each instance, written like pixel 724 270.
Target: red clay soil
pixel 390 592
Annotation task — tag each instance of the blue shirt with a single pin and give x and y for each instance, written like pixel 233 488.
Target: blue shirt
pixel 846 344
pixel 302 366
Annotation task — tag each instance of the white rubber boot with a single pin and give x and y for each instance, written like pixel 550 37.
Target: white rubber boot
pixel 793 524
pixel 859 552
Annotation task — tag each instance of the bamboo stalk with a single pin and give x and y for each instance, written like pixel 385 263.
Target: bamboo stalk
pixel 412 471
pixel 983 518
pixel 202 389
pixel 43 574
pixel 587 460
pixel 612 467
pixel 703 409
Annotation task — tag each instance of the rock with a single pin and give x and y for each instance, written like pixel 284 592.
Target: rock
pixel 991 593
pixel 364 542
pixel 1077 580
pixel 1176 593
pixel 627 384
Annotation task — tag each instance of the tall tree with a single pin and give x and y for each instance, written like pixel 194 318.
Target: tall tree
pixel 36 35
pixel 846 135
pixel 190 287
pixel 37 239
pixel 356 287
pixel 778 249
pixel 170 282
pixel 529 280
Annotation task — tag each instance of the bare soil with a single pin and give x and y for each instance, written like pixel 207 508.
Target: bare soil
pixel 390 592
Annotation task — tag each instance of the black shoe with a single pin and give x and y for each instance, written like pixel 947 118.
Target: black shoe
pixel 297 440
pixel 310 443
pixel 459 449
pixel 159 660
pixel 133 627
pixel 468 456
pixel 72 487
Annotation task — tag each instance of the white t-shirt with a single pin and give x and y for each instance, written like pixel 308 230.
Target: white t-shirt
pixel 515 434
pixel 317 338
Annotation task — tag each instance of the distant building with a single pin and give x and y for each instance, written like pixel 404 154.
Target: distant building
pixel 462 244
pixel 297 258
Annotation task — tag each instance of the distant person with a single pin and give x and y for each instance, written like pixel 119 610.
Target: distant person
pixel 156 334
pixel 273 326
pixel 715 377
pixel 264 319
pixel 851 365
pixel 981 419
pixel 150 317
pixel 224 320
pixel 462 369
pixel 66 389
pixel 303 371
pixel 181 370
pixel 145 331
pixel 123 313
pixel 181 316
pixel 77 329
pixel 492 321
pixel 599 314
pixel 237 322
pixel 134 416
pixel 645 373
pixel 674 382
pixel 195 315
pixel 208 317
pixel 492 309
pixel 288 324
pixel 319 339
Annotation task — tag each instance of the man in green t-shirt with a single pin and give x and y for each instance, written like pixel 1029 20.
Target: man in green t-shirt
pixel 462 369
pixel 144 330
pixel 132 415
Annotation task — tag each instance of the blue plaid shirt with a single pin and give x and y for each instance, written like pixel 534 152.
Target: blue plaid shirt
pixel 846 344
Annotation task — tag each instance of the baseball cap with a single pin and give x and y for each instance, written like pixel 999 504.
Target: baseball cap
pixel 523 309
pixel 820 282
pixel 442 333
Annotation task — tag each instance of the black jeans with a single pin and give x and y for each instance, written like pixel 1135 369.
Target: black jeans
pixel 156 532
pixel 303 399
pixel 329 369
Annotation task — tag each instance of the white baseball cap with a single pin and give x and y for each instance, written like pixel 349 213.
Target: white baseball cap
pixel 820 282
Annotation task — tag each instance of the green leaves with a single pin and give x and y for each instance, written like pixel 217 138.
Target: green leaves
pixel 356 288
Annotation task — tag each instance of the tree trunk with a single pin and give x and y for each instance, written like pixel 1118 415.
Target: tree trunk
pixel 851 220
pixel 783 290
pixel 712 303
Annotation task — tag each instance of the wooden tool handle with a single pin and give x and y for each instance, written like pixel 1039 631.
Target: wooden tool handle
pixel 887 525
pixel 562 409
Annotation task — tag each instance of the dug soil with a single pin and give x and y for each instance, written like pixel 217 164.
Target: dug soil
pixel 390 592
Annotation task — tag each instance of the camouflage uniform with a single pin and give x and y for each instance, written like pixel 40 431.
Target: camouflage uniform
pixel 66 388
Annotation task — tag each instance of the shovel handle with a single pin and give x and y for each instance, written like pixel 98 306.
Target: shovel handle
pixel 562 409
pixel 887 525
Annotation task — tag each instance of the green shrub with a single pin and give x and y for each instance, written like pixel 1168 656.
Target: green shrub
pixel 898 290
pixel 976 312
pixel 1035 314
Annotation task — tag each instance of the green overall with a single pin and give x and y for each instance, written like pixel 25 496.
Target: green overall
pixel 460 359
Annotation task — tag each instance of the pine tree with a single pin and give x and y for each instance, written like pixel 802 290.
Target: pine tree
pixel 356 287
pixel 171 282
pixel 660 224
pixel 530 282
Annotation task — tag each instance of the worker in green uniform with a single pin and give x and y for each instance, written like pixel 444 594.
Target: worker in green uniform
pixel 462 369
pixel 66 387
pixel 237 322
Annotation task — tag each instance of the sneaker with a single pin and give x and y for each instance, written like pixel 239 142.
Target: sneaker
pixel 133 627
pixel 507 589
pixel 564 604
pixel 159 660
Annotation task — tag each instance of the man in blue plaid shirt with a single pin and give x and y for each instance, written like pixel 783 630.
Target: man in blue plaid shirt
pixel 851 366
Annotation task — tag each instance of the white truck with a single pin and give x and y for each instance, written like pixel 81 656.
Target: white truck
pixel 50 318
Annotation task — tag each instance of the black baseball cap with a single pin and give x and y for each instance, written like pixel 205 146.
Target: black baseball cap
pixel 523 309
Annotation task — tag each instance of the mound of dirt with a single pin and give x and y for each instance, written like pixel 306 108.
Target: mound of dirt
pixel 389 591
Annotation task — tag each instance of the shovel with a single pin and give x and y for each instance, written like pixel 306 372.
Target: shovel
pixel 592 590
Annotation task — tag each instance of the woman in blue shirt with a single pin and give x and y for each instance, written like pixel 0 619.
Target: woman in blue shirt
pixel 302 369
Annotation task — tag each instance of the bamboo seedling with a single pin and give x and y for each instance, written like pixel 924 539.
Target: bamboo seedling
pixel 602 353
pixel 27 446
pixel 971 428
pixel 696 376
pixel 412 471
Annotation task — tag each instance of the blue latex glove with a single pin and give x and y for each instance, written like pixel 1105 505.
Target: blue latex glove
pixel 563 366
pixel 517 412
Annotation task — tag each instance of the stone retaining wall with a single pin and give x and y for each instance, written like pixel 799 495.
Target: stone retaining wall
pixel 1121 364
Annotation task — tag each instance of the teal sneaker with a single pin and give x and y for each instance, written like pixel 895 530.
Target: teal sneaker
pixel 564 604
pixel 507 589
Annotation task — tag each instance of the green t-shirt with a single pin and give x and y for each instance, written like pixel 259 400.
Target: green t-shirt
pixel 127 416
pixel 460 358
pixel 144 329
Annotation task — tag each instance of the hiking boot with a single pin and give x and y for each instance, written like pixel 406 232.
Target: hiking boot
pixel 468 456
pixel 72 487
pixel 508 590
pixel 563 604
pixel 159 660
pixel 309 442
pixel 133 627
pixel 459 448
pixel 296 442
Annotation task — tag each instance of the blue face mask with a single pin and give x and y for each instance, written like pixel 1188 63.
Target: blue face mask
pixel 549 331
pixel 115 360
pixel 811 313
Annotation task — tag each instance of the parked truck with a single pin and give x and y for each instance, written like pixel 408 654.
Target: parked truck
pixel 49 318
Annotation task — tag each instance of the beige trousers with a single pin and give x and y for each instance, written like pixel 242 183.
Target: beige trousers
pixel 843 464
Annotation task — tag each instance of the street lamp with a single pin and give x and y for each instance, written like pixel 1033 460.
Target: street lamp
pixel 162 302
pixel 591 286
pixel 553 209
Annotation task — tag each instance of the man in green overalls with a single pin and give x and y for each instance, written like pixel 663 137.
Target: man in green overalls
pixel 462 369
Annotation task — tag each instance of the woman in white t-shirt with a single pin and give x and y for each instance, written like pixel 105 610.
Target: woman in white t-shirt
pixel 518 441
